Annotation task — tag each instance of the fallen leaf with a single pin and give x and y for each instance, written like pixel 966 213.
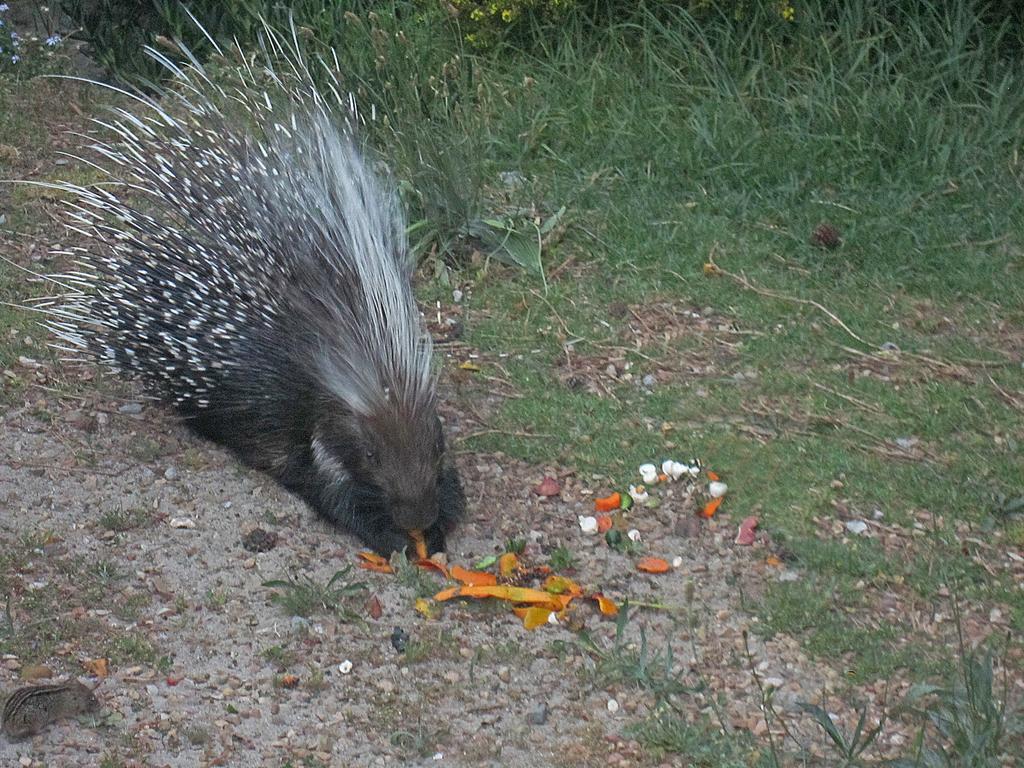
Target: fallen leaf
pixel 560 585
pixel 97 667
pixel 467 366
pixel 508 564
pixel 605 605
pixel 371 561
pixel 712 506
pixel 289 681
pixel 653 565
pixel 374 608
pixel 433 565
pixel 468 577
pixel 745 535
pixel 486 562
pixel 424 608
pixel 773 561
pixel 534 616
pixel 547 487
pixel 608 503
pixel 421 544
pixel 604 523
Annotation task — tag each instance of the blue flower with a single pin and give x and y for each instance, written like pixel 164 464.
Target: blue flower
pixel 3 7
pixel 53 40
pixel 15 59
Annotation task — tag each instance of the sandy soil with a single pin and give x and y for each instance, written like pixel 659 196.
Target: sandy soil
pixel 471 682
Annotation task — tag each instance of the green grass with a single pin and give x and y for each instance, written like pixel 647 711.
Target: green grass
pixel 303 596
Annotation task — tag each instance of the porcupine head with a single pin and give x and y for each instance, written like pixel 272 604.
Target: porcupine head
pixel 378 427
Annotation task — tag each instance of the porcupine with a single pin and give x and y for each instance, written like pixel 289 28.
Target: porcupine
pixel 250 267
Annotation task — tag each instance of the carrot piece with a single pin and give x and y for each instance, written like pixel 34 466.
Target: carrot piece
pixel 608 503
pixel 712 506
pixel 447 594
pixel 371 561
pixel 421 544
pixel 512 594
pixel 605 605
pixel 652 565
pixel 712 476
pixel 472 578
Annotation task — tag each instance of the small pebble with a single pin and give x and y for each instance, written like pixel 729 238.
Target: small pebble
pixel 538 715
pixel 170 473
pixel 613 706
pixel 856 526
pixel 130 409
pixel 588 524
pixel 677 562
pixel 345 667
pixel 457 296
pixel 259 540
pixel 399 639
pixel 649 380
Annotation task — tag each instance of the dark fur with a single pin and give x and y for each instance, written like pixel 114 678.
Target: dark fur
pixel 268 422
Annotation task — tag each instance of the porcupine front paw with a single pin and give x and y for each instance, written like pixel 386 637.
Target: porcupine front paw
pixel 451 502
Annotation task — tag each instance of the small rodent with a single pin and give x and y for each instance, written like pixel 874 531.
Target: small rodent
pixel 29 710
pixel 248 264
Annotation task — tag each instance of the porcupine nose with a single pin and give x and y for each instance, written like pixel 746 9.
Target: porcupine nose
pixel 415 514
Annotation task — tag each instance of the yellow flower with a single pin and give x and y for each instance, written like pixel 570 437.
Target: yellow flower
pixel 476 14
pixel 506 15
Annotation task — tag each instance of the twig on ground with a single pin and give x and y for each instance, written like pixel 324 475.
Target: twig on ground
pixel 746 283
pixel 851 399
pixel 1011 400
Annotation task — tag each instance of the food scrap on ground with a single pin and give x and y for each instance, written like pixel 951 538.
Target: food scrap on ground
pixel 608 503
pixel 535 594
pixel 547 487
pixel 653 565
pixel 534 605
pixel 745 536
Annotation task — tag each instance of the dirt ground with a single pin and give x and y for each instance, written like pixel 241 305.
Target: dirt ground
pixel 471 683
